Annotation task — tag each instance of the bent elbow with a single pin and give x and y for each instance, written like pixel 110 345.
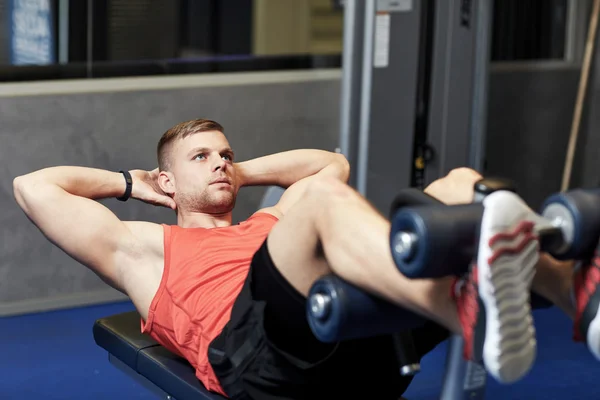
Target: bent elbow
pixel 18 187
pixel 23 188
pixel 344 166
pixel 20 184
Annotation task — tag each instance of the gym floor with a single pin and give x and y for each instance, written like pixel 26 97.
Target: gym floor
pixel 53 356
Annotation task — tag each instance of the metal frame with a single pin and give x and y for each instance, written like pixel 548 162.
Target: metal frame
pixel 365 104
pixel 352 55
pixel 362 90
pixel 480 91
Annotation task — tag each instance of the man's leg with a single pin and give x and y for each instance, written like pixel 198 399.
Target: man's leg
pixel 554 281
pixel 334 229
pixel 575 289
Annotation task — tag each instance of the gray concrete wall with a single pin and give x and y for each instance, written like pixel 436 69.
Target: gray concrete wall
pixel 114 124
pixel 115 127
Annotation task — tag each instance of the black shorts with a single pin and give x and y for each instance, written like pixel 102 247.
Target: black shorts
pixel 267 349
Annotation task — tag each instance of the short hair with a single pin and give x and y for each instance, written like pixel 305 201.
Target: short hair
pixel 181 131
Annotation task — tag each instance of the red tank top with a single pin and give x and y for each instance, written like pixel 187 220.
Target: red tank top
pixel 204 272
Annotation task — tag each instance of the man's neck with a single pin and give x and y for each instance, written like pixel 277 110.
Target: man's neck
pixel 187 219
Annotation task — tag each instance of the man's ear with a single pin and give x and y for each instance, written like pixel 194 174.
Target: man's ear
pixel 166 181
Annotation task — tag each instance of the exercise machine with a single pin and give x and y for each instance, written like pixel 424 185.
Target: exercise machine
pixel 414 91
pixel 414 96
pixel 430 240
pixel 413 107
pixel 569 226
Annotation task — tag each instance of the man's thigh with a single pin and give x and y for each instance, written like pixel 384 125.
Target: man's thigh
pixel 329 212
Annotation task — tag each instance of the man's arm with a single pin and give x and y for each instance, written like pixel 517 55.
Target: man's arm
pixel 293 170
pixel 286 168
pixel 60 202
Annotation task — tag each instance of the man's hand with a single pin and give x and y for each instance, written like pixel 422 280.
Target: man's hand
pixel 241 179
pixel 455 188
pixel 145 188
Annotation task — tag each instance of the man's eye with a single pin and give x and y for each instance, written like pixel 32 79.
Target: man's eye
pixel 228 158
pixel 199 156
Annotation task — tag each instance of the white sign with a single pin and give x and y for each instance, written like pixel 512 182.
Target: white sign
pixel 382 41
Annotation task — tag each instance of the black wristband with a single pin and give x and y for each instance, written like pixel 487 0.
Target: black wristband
pixel 128 187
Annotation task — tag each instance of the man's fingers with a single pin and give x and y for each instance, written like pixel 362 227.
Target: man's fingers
pixel 159 200
pixel 168 202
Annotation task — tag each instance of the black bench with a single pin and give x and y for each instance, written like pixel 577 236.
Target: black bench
pixel 138 355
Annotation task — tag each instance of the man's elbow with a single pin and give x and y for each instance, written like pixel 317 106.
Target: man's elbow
pixel 24 188
pixel 343 166
pixel 20 184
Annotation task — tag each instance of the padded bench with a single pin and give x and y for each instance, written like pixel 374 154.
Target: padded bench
pixel 138 355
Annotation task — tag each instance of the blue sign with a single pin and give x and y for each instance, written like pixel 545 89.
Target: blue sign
pixel 32 37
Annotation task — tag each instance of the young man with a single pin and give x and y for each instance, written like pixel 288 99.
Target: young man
pixel 231 298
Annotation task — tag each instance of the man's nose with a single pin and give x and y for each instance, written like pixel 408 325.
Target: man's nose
pixel 219 164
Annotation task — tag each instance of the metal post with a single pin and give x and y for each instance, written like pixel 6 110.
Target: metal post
pixel 480 85
pixel 365 104
pixel 351 81
pixel 463 380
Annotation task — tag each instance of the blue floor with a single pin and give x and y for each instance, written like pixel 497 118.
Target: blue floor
pixel 53 356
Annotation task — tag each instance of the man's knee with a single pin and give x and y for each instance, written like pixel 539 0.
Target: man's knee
pixel 326 190
pixel 464 173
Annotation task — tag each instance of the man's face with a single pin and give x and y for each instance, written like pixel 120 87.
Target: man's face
pixel 203 173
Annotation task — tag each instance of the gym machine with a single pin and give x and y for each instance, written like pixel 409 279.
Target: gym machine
pixel 411 110
pixel 414 91
pixel 430 240
pixel 414 96
pixel 413 104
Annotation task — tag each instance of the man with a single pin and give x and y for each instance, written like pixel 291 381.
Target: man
pixel 231 298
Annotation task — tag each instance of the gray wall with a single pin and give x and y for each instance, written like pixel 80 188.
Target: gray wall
pixel 530 117
pixel 530 112
pixel 529 121
pixel 119 130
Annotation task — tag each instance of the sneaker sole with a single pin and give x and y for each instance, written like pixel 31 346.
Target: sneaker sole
pixel 508 253
pixel 593 330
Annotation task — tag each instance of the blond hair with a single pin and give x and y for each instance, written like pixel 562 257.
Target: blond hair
pixel 181 131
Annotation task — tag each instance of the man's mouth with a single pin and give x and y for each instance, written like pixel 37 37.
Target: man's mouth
pixel 222 180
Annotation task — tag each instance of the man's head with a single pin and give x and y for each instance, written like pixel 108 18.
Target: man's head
pixel 196 167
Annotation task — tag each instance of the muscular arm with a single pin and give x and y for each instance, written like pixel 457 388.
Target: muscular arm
pixel 293 170
pixel 288 167
pixel 60 202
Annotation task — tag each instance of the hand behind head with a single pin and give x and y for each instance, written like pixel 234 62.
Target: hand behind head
pixel 146 188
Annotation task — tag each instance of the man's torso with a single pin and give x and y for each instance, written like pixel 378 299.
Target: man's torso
pixel 141 276
pixel 185 297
